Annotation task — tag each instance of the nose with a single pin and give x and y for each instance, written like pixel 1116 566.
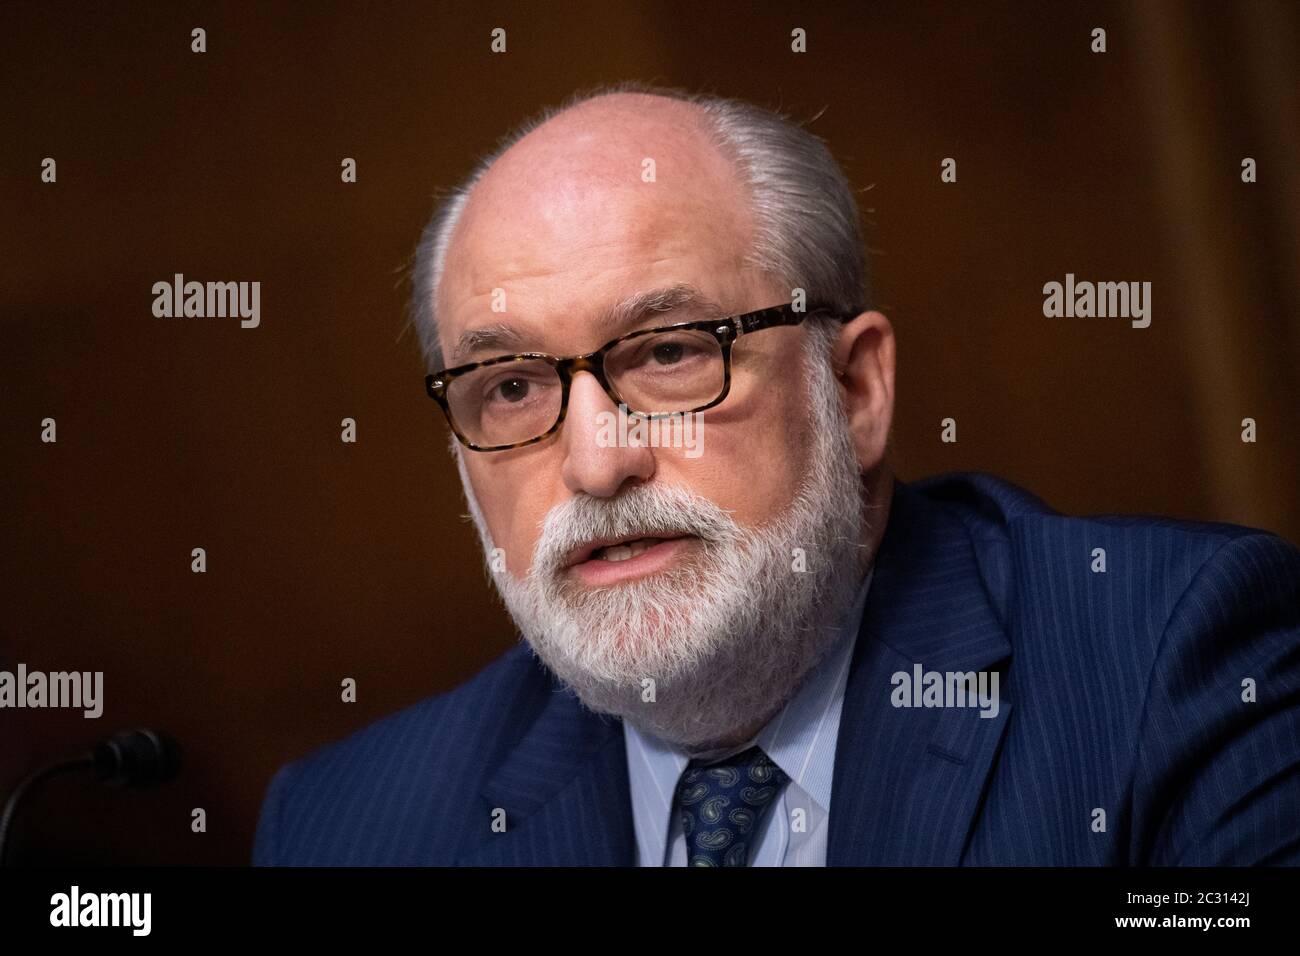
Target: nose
pixel 596 462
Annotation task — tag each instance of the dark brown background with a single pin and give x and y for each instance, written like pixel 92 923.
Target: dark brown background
pixel 329 560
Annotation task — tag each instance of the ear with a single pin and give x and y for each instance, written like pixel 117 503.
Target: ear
pixel 863 360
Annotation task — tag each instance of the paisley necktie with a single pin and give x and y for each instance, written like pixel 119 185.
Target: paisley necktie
pixel 721 804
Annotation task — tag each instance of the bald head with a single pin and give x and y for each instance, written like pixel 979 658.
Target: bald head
pixel 604 188
pixel 609 172
pixel 603 142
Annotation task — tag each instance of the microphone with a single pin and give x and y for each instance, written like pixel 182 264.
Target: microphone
pixel 130 758
pixel 137 758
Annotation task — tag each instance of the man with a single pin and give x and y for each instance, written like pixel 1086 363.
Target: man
pixel 758 647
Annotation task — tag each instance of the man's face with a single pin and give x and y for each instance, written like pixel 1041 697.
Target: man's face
pixel 567 227
pixel 745 556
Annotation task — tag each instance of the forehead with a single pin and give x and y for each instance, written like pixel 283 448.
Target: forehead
pixel 589 213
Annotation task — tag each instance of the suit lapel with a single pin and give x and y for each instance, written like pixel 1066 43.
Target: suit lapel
pixel 908 781
pixel 564 790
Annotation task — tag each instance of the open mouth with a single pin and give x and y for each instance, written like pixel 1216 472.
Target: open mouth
pixel 607 561
pixel 619 549
pixel 621 552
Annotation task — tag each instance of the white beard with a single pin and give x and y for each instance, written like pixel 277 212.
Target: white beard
pixel 728 635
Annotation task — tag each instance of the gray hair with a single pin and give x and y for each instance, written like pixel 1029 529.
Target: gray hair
pixel 806 217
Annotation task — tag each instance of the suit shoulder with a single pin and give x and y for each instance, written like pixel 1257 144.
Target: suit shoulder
pixel 398 773
pixel 457 710
pixel 1145 545
pixel 1030 548
pixel 989 505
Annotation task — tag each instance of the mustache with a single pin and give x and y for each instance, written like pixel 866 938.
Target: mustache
pixel 640 511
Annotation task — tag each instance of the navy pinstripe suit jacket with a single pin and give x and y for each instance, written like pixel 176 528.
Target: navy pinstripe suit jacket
pixel 1121 691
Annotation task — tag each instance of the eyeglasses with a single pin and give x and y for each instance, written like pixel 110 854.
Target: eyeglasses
pixel 516 400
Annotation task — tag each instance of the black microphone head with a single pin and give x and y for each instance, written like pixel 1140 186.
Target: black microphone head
pixel 137 758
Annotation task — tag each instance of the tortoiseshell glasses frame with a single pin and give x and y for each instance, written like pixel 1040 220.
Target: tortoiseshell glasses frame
pixel 724 330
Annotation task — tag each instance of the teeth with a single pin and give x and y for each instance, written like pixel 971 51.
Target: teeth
pixel 621 552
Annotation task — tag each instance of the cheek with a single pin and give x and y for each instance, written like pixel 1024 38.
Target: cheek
pixel 514 512
pixel 752 472
pixel 758 443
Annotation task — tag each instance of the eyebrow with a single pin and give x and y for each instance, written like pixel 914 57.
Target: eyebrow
pixel 623 315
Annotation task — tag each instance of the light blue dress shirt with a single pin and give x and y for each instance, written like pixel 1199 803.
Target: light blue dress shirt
pixel 800 740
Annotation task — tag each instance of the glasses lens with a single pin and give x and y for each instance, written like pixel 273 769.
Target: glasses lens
pixel 674 371
pixel 505 403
